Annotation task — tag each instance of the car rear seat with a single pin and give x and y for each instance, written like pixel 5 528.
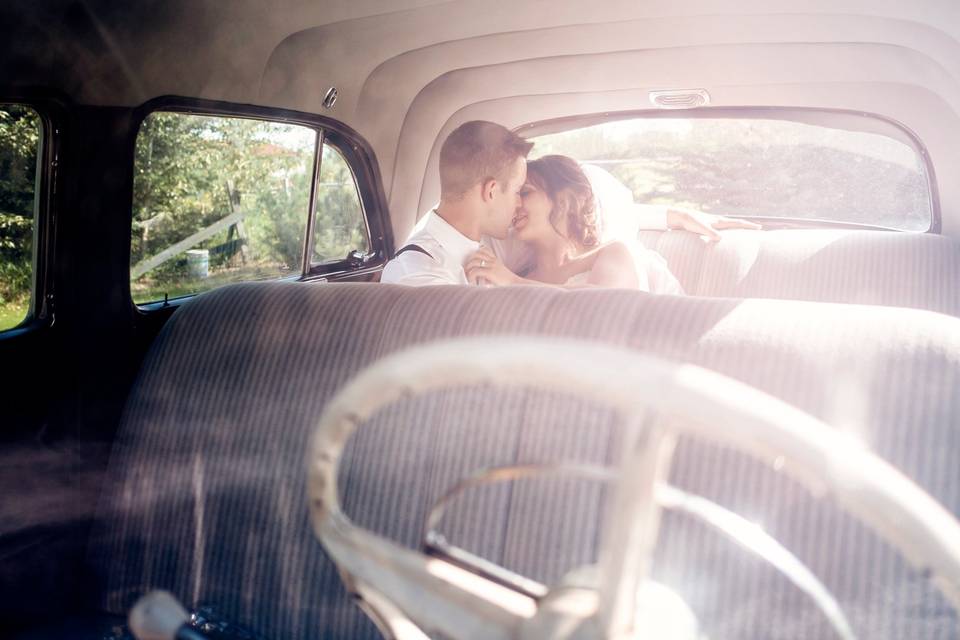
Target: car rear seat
pixel 206 482
pixel 914 270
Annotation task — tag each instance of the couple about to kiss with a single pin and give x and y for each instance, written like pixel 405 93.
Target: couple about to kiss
pixel 503 221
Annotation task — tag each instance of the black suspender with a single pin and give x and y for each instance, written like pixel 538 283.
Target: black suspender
pixel 413 247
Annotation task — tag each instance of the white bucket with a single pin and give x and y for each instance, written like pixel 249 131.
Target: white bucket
pixel 198 263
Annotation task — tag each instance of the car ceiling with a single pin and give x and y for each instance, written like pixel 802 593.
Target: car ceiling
pixel 409 71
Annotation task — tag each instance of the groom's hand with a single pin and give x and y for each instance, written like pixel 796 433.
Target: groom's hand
pixel 705 224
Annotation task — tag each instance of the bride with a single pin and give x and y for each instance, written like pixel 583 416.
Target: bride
pixel 558 221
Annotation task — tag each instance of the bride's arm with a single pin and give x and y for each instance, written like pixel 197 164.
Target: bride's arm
pixel 483 267
pixel 611 265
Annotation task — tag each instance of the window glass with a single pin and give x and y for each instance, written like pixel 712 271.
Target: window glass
pixel 20 139
pixel 339 227
pixel 756 167
pixel 217 200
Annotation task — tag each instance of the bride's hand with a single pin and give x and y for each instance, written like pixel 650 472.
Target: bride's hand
pixel 705 224
pixel 485 268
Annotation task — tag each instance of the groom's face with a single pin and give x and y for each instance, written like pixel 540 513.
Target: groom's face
pixel 507 200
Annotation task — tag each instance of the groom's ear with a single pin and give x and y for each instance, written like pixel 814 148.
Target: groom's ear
pixel 488 189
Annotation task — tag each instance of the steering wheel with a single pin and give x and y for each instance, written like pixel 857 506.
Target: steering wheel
pixel 407 592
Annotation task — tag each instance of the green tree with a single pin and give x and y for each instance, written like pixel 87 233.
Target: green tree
pixel 183 166
pixel 340 226
pixel 19 143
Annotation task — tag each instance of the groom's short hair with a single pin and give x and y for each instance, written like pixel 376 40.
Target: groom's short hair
pixel 475 152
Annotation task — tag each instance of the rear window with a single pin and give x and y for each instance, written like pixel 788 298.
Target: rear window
pixel 763 168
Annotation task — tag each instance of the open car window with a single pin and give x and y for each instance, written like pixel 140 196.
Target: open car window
pixel 221 199
pixel 763 167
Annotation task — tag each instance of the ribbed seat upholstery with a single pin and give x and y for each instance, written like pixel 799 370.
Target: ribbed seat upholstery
pixel 206 483
pixel 921 271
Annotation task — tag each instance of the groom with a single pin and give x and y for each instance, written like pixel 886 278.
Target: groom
pixel 482 168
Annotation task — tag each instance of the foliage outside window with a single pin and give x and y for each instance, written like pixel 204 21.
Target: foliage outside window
pixel 226 199
pixel 20 136
pixel 340 226
pixel 757 167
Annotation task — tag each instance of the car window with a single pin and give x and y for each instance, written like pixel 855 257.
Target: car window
pixel 222 199
pixel 20 139
pixel 760 168
pixel 340 224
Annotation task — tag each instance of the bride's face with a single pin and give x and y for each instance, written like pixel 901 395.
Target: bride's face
pixel 532 220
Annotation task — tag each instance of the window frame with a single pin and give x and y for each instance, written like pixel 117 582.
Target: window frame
pixel 356 152
pixel 52 113
pixel 803 115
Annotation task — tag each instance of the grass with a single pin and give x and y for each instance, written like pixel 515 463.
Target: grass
pixel 13 313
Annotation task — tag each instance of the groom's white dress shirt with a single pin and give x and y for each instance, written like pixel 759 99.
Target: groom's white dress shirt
pixel 448 250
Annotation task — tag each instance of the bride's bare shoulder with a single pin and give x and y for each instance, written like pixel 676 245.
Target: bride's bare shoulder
pixel 614 251
pixel 613 266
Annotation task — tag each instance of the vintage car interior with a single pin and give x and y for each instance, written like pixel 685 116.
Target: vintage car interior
pixel 205 391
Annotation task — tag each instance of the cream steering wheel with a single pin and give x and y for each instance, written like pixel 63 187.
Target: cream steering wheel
pixel 408 593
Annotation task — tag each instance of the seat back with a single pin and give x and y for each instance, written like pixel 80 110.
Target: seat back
pixel 920 271
pixel 206 492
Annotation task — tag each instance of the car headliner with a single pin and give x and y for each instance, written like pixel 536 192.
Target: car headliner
pixel 409 71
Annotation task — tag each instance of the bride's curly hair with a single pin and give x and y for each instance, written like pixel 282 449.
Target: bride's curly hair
pixel 574 214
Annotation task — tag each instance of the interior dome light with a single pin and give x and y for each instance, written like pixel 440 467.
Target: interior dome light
pixel 680 98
